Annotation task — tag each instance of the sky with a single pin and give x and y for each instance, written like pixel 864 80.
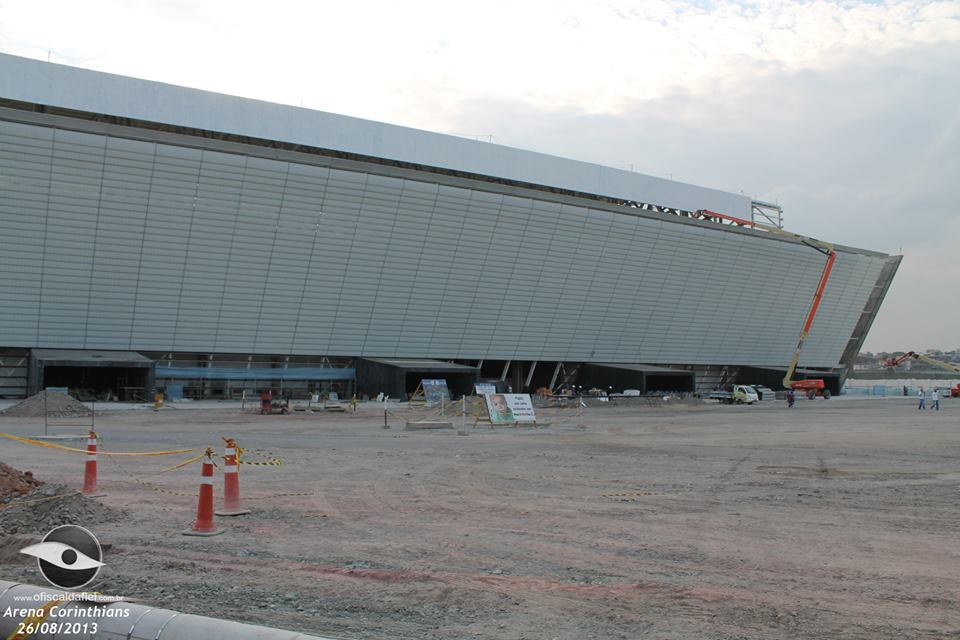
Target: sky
pixel 846 113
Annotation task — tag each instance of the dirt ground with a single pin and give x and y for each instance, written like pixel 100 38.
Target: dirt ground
pixel 836 519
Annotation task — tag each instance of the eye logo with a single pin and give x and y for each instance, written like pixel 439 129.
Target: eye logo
pixel 69 557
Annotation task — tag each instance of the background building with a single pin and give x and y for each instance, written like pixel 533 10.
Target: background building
pixel 240 244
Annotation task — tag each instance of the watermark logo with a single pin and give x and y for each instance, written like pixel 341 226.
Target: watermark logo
pixel 69 556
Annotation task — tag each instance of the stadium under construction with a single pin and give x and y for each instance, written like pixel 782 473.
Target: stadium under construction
pixel 154 235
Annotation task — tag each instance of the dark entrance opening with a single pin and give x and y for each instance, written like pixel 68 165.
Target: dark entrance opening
pixel 100 382
pixel 671 382
pixel 615 378
pixel 93 375
pixel 399 379
pixel 458 384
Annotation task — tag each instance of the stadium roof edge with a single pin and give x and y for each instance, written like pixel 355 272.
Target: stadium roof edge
pixel 54 85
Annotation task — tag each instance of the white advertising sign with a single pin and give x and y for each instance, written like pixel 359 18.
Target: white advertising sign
pixel 505 408
pixel 484 388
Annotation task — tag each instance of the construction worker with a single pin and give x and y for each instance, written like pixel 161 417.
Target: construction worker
pixel 791 398
pixel 923 400
pixel 935 400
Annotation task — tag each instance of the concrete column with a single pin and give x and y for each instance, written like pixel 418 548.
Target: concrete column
pixel 533 367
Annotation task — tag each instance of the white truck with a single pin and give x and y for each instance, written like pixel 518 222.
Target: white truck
pixel 737 394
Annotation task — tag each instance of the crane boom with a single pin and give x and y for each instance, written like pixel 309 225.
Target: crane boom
pixel 823 247
pixel 892 362
pixel 814 305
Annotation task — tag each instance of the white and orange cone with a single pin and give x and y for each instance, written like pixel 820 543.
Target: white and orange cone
pixel 90 468
pixel 231 481
pixel 204 526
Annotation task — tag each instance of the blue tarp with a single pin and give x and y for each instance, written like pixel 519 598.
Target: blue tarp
pixel 257 373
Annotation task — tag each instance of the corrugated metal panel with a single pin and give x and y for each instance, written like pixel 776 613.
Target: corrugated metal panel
pixel 14 367
pixel 57 85
pixel 134 245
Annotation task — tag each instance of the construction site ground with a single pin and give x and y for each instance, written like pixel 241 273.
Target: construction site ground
pixel 835 519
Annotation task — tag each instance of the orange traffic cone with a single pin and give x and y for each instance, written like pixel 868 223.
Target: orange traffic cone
pixel 231 481
pixel 204 526
pixel 90 468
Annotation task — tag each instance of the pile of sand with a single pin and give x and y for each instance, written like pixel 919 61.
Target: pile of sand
pixel 15 483
pixel 57 405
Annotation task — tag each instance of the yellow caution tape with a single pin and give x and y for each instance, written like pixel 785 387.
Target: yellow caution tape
pixel 180 466
pixel 153 487
pixel 171 452
pixel 271 459
pixel 61 447
pixel 281 495
pixel 23 503
pixel 171 492
pixel 632 494
pixel 627 497
pixel 39 443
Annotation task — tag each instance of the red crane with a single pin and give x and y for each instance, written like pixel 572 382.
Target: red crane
pixel 949 366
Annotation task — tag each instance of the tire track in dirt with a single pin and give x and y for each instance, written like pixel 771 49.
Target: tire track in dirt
pixel 687 603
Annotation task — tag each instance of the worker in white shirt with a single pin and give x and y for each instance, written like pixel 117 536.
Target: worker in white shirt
pixel 923 400
pixel 935 400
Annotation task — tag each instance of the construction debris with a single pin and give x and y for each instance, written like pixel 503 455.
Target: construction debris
pixel 50 506
pixel 15 483
pixel 54 404
pixel 28 505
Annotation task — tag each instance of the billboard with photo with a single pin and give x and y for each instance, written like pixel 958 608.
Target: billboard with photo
pixel 505 408
pixel 434 390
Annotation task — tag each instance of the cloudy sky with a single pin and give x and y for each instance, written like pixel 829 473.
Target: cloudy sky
pixel 847 113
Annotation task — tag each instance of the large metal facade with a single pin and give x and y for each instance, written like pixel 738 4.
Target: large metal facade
pixel 116 238
pixel 60 86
